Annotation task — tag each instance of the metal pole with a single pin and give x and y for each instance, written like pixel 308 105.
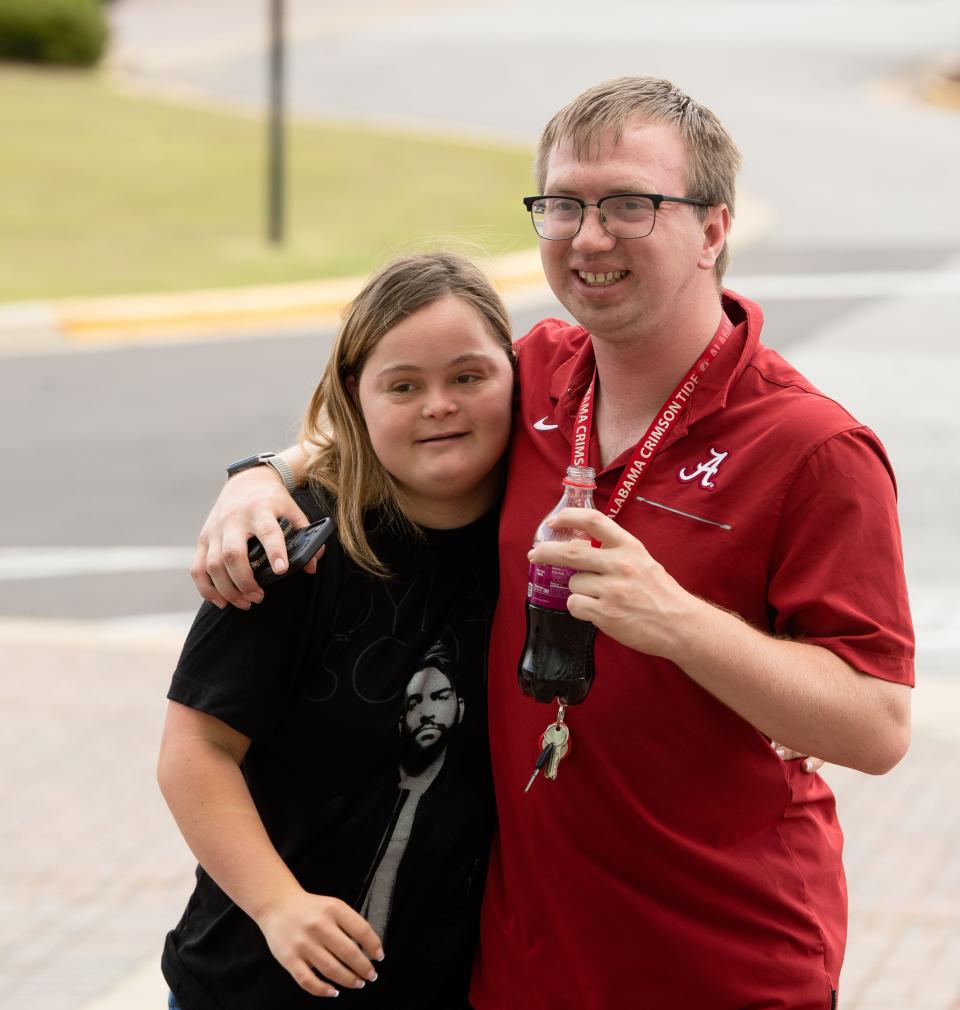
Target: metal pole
pixel 276 132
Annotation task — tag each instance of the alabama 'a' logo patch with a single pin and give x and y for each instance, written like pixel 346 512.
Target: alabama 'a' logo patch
pixel 704 471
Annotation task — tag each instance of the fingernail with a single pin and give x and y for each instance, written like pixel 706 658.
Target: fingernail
pixel 359 984
pixel 781 752
pixel 379 955
pixel 372 976
pixel 808 765
pixel 279 566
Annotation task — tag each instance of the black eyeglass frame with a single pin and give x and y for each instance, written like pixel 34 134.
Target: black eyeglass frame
pixel 655 198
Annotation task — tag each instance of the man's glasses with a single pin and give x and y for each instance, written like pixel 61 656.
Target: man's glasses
pixel 623 215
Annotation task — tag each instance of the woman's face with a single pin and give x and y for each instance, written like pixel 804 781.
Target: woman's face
pixel 436 395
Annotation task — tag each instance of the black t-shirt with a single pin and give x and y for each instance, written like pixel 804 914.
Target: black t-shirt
pixel 365 700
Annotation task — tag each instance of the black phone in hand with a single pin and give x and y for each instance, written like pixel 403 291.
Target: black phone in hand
pixel 302 544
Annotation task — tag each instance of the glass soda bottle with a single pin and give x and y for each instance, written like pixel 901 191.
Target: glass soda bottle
pixel 557 657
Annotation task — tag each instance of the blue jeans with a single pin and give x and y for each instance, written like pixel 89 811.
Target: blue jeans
pixel 172 1002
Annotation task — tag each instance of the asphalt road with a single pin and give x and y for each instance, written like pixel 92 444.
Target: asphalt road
pixel 124 447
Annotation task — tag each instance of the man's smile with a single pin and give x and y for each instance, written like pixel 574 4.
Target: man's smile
pixel 602 279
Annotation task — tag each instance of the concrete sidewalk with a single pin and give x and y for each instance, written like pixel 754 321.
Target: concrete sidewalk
pixel 95 871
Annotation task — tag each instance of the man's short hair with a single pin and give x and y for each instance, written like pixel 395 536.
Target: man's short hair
pixel 442 656
pixel 712 157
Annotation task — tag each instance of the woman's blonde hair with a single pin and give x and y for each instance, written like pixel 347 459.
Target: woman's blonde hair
pixel 343 462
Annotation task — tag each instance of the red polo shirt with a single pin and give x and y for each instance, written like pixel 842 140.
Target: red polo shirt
pixel 677 862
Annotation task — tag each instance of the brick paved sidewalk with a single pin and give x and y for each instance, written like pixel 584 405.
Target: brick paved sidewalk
pixel 94 871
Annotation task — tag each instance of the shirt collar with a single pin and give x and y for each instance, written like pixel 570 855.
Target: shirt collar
pixel 570 380
pixel 715 387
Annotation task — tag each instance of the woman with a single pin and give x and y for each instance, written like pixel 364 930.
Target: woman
pixel 324 753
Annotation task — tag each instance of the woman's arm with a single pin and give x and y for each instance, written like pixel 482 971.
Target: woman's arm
pixel 200 778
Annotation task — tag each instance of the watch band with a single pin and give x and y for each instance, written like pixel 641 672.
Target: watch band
pixel 276 462
pixel 282 467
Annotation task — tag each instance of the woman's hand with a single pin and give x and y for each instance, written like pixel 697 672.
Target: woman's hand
pixel 311 933
pixel 200 777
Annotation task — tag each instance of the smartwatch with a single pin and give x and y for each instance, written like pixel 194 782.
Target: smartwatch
pixel 271 459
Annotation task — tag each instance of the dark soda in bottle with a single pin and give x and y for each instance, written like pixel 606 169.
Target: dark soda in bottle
pixel 557 657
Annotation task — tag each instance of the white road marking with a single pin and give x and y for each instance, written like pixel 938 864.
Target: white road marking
pixel 871 284
pixel 58 562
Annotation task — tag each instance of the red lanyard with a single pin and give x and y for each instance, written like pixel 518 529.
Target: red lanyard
pixel 649 445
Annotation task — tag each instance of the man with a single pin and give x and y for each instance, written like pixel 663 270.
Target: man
pixel 432 709
pixel 748 587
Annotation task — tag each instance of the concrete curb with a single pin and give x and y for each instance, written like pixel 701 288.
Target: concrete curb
pixel 88 322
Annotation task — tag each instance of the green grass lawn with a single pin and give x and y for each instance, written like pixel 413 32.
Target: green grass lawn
pixel 105 193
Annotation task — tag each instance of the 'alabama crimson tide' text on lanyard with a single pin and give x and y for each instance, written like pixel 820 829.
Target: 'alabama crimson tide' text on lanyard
pixel 646 449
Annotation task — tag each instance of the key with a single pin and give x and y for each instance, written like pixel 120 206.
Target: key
pixel 542 759
pixel 558 736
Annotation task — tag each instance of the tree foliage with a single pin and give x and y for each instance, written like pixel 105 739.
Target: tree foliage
pixel 72 32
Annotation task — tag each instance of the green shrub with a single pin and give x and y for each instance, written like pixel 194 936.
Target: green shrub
pixel 52 31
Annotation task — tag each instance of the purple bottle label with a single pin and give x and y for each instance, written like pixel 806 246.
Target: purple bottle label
pixel 548 586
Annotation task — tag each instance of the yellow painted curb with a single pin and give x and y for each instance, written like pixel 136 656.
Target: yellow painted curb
pixel 95 320
pixel 91 321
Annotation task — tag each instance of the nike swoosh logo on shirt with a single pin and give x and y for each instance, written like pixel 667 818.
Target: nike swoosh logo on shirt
pixel 542 425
